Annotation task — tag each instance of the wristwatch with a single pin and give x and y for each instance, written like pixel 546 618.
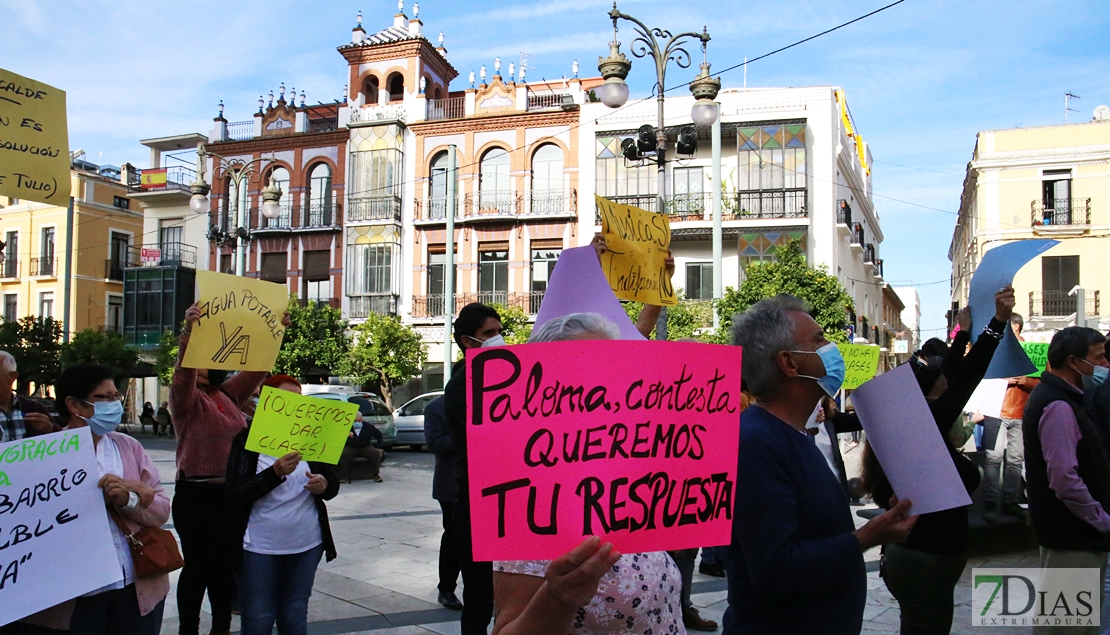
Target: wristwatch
pixel 132 502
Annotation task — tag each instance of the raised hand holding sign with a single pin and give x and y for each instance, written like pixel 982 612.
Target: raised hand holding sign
pixel 240 323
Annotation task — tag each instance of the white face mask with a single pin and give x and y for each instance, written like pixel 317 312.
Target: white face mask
pixel 496 340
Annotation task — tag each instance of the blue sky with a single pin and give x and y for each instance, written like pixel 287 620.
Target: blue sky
pixel 921 78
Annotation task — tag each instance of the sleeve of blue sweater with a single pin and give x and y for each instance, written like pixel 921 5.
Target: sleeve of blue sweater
pixel 779 556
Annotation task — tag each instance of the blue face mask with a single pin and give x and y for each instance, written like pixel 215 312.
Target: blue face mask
pixel 834 368
pixel 106 417
pixel 1096 378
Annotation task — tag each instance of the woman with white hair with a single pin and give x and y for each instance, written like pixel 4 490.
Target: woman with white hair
pixel 592 589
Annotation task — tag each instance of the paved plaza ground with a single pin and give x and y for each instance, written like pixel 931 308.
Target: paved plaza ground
pixel 387 534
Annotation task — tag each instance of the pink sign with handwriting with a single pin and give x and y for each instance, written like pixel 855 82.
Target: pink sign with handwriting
pixel 634 442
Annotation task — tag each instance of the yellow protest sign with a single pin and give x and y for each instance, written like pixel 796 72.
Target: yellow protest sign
pixel 637 243
pixel 861 362
pixel 240 324
pixel 287 422
pixel 34 140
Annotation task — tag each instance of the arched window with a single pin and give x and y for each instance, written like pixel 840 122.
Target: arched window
pixel 280 177
pixel 437 195
pixel 396 87
pixel 547 180
pixel 494 191
pixel 319 196
pixel 437 93
pixel 370 91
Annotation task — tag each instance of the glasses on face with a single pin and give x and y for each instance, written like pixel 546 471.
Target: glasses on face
pixel 105 397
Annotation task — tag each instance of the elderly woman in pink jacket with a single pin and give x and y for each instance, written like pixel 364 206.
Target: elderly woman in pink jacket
pixel 86 395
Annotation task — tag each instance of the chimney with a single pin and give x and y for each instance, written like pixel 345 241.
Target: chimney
pixel 416 27
pixel 358 34
pixel 400 20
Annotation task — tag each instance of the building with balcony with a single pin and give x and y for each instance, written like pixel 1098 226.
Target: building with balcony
pixel 105 224
pixel 794 167
pixel 1043 182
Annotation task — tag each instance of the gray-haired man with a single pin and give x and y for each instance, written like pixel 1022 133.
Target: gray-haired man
pixel 795 564
pixel 19 416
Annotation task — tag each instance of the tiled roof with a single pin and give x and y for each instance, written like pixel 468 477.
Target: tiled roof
pixel 385 36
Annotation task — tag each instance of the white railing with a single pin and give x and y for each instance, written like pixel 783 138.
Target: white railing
pixel 377 113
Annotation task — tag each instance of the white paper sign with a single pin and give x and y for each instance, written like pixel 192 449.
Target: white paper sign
pixel 907 442
pixel 988 397
pixel 55 543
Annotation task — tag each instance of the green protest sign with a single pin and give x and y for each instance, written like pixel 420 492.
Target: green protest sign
pixel 861 362
pixel 1038 354
pixel 288 422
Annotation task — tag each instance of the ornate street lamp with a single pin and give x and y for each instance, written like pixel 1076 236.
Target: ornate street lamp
pixel 240 173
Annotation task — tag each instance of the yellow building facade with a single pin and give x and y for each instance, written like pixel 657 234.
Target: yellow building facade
pixel 1047 182
pixel 105 226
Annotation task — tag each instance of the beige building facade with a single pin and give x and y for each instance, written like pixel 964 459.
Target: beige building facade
pixel 1046 182
pixel 105 226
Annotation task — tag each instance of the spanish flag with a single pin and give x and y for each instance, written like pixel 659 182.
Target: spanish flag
pixel 153 179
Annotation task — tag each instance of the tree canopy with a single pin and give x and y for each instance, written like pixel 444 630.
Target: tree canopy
pixel 789 273
pixel 315 341
pixel 105 347
pixel 384 352
pixel 35 343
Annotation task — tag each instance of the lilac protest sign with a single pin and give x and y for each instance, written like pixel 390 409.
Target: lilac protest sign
pixel 907 442
pixel 578 285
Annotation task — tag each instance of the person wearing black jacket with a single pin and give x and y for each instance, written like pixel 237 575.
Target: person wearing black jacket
pixel 360 444
pixel 444 491
pixel 278 512
pixel 922 572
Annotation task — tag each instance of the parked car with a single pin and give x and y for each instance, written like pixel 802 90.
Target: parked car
pixel 409 419
pixel 374 411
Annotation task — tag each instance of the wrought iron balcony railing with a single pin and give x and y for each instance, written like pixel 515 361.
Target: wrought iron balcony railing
pixel 240 130
pixel 1061 211
pixel 10 268
pixel 843 213
pixel 547 101
pixel 318 215
pixel 362 306
pixel 1060 303
pixel 370 208
pixel 449 108
pixel 433 306
pixel 44 266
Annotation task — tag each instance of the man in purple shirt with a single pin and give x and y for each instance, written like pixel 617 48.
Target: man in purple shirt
pixel 1067 467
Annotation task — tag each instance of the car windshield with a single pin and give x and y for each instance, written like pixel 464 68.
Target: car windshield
pixel 370 407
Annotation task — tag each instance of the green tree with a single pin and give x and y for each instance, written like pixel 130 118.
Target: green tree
pixel 516 327
pixel 105 347
pixel 35 343
pixel 385 352
pixel 166 358
pixel 690 319
pixel 316 339
pixel 789 273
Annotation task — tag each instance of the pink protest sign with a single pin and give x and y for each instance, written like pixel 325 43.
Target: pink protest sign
pixel 635 442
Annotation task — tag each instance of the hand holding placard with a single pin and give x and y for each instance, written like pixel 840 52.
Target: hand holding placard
pixel 287 423
pixel 238 323
pixel 637 247
pixel 572 439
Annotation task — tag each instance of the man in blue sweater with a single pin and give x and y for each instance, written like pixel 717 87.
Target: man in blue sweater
pixel 795 564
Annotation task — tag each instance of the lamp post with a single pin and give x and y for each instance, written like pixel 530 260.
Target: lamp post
pixel 239 173
pixel 662 47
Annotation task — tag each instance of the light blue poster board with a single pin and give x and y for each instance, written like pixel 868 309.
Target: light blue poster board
pixel 995 271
